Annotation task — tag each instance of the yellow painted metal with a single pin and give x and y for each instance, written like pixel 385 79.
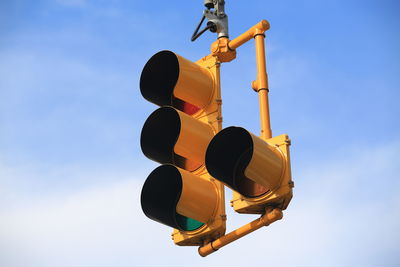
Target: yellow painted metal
pixel 280 192
pixel 198 199
pixel 221 50
pixel 193 139
pixel 225 51
pixel 195 83
pixel 269 217
pixel 261 86
pixel 262 79
pixel 199 84
pixel 259 28
pixel 212 116
pixel 266 131
pixel 279 196
pixel 266 165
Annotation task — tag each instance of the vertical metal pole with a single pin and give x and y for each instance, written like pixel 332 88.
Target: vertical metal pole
pixel 218 94
pixel 261 87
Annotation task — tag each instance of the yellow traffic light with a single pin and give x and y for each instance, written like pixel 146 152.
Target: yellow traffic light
pixel 170 195
pixel 168 134
pixel 185 136
pixel 257 170
pixel 169 79
pixel 180 193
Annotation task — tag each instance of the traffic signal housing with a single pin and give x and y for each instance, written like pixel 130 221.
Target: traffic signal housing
pixel 186 192
pixel 257 170
pixel 180 193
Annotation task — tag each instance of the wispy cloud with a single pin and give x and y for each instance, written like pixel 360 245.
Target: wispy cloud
pixel 91 227
pixel 326 224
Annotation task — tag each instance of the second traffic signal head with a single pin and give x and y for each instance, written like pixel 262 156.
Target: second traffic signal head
pixel 256 169
pixel 240 159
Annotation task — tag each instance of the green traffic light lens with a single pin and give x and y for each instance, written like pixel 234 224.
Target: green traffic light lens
pixel 188 224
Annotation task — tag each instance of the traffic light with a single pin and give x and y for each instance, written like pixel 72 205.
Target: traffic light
pixel 180 193
pixel 257 170
pixel 187 191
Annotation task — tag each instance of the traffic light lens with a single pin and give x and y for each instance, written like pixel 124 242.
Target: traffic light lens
pixel 188 224
pixel 184 106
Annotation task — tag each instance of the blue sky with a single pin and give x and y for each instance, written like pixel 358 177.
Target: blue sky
pixel 71 168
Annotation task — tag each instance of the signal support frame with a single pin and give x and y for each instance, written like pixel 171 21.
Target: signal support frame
pixel 224 50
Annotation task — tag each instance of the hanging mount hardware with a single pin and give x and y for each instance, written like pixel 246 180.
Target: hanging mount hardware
pixel 217 19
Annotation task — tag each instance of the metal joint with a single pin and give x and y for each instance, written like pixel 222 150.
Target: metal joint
pixel 258 90
pixel 263 34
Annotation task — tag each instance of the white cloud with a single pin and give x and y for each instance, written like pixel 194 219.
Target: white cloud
pixel 92 227
pixel 333 220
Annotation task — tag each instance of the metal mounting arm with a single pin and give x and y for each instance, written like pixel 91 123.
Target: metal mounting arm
pixel 270 216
